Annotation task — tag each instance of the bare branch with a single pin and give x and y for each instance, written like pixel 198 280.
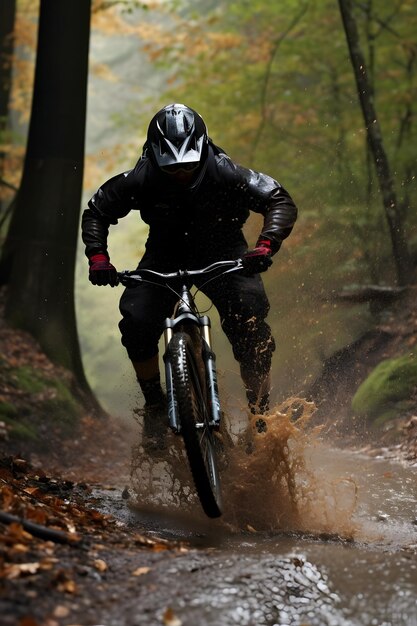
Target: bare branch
pixel 267 76
pixel 42 532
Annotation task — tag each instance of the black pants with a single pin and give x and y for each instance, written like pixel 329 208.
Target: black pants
pixel 242 305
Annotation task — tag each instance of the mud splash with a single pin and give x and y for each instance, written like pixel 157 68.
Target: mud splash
pixel 268 482
pixel 275 488
pixel 160 477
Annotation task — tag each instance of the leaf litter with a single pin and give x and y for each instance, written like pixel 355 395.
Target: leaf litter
pixel 46 579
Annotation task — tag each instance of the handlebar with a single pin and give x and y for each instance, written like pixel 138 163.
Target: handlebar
pixel 128 278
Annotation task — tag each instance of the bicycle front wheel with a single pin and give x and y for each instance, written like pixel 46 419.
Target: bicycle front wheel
pixel 194 417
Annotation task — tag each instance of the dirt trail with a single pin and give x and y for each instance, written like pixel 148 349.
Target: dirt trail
pixel 81 554
pixel 71 528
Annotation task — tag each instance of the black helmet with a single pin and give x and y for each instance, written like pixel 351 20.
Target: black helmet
pixel 177 138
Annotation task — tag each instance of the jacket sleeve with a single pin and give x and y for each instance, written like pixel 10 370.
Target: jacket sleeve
pixel 110 202
pixel 276 205
pixel 280 214
pixel 262 194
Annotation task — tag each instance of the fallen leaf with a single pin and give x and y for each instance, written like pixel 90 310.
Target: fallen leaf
pixel 61 611
pixel 140 571
pixel 159 547
pixel 170 619
pixel 68 586
pixel 48 563
pixel 32 490
pixel 141 540
pixel 17 532
pixel 20 569
pixel 100 565
pixel 7 496
pixel 19 547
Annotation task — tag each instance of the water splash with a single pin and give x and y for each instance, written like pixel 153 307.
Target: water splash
pixel 160 476
pixel 268 483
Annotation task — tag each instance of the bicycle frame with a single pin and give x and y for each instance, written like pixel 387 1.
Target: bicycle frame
pixel 185 313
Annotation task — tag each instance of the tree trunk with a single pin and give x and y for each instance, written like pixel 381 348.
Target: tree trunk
pixel 7 18
pixel 42 239
pixel 392 209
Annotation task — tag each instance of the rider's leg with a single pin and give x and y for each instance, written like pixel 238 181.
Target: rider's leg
pixel 243 307
pixel 253 350
pixel 144 309
pixel 149 379
pixel 257 391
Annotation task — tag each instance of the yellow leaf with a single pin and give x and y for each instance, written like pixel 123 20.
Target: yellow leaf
pixel 68 586
pixel 100 565
pixel 21 569
pixel 170 619
pixel 140 571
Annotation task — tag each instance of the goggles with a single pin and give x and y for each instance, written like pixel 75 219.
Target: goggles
pixel 180 167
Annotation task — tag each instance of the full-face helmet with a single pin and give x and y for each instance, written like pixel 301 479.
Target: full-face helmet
pixel 177 139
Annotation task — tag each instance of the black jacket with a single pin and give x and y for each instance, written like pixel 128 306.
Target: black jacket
pixel 192 225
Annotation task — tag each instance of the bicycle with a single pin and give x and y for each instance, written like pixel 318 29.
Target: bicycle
pixel 190 376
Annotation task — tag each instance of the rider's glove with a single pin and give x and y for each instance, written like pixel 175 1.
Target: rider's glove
pixel 102 272
pixel 258 259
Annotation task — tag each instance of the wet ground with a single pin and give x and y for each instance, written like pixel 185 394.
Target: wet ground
pixel 277 581
pixel 312 535
pixel 331 540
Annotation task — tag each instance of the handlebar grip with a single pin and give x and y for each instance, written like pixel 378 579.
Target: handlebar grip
pixel 127 280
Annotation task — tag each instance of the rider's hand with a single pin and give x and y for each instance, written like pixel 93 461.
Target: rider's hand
pixel 102 272
pixel 258 259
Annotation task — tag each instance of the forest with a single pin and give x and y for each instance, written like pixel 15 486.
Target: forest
pixel 281 100
pixel 320 95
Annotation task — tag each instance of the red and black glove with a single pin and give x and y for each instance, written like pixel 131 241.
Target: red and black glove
pixel 102 272
pixel 259 259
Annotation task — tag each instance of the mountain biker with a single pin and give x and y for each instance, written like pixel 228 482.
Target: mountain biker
pixel 195 200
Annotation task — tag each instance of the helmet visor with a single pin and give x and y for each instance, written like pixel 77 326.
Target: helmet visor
pixel 175 168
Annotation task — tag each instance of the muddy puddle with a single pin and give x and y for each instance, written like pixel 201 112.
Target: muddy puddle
pixel 311 535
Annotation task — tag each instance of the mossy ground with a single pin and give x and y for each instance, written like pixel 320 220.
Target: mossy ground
pixel 388 392
pixel 39 402
pixel 33 401
pixel 367 392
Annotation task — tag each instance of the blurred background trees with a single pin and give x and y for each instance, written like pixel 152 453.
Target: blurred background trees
pixel 7 24
pixel 39 250
pixel 275 83
pixel 394 212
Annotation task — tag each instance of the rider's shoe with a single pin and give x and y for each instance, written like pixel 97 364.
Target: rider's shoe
pixel 155 425
pixel 152 391
pixel 259 406
pixel 261 425
pixel 263 404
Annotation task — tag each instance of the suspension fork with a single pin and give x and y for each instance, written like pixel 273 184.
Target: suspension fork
pixel 211 372
pixel 173 420
pixel 209 359
pixel 182 313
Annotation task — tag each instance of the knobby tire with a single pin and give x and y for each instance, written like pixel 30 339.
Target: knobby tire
pixel 199 443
